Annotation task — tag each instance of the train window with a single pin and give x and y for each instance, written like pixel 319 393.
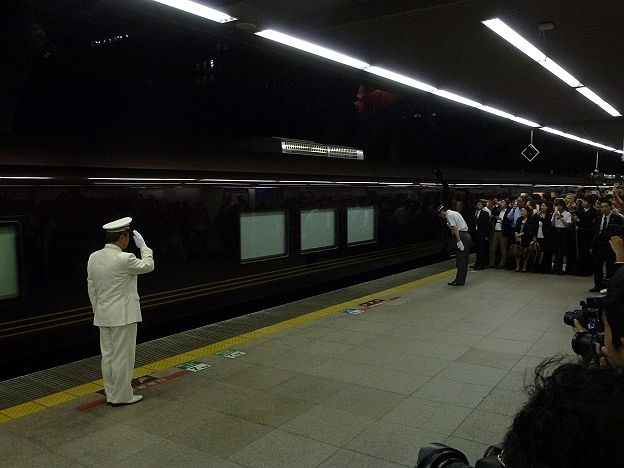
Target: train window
pixel 262 235
pixel 9 261
pixel 360 225
pixel 318 230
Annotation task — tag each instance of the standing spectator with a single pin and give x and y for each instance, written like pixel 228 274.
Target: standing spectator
pixel 561 221
pixel 112 283
pixel 544 234
pixel 480 234
pixel 458 226
pixel 601 250
pixel 525 233
pixel 514 214
pixel 501 233
pixel 584 219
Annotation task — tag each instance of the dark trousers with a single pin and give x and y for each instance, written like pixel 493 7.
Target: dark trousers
pixel 585 262
pixel 462 258
pixel 481 249
pixel 603 255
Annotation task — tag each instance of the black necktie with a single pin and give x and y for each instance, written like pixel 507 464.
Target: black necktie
pixel 604 224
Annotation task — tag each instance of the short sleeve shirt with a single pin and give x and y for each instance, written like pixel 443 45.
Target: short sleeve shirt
pixel 454 219
pixel 565 216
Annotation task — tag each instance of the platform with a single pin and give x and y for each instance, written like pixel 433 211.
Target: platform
pixel 363 376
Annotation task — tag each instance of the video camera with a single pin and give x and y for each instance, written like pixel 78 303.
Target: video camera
pixel 443 456
pixel 590 317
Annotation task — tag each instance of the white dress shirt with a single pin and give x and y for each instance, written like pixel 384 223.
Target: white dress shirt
pixel 455 219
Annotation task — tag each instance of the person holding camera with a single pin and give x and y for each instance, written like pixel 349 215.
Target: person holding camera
pixel 601 251
pixel 561 221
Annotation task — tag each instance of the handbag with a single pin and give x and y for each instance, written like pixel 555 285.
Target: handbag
pixel 516 250
pixel 534 254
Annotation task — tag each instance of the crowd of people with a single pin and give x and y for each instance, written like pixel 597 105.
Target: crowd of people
pixel 564 235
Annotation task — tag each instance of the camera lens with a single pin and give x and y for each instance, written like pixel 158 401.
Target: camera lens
pixel 568 317
pixel 441 456
pixel 584 344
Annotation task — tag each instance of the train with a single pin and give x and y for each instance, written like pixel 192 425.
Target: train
pixel 225 242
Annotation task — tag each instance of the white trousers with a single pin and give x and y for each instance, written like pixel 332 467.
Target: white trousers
pixel 118 345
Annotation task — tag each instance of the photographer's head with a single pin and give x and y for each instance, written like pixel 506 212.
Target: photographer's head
pixel 613 318
pixel 574 419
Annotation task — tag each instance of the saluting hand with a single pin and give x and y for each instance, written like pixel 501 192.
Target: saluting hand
pixel 138 240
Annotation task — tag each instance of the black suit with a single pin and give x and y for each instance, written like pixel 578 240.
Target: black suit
pixel 480 234
pixel 601 250
pixel 584 234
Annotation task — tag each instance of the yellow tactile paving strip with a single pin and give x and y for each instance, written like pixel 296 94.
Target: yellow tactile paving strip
pixel 42 403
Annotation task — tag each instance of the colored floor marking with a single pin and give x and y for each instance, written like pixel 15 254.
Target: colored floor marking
pixel 85 389
pixel 55 399
pixel 42 403
pixel 22 410
pixel 140 372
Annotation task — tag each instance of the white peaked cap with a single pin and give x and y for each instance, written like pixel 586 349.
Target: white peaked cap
pixel 118 225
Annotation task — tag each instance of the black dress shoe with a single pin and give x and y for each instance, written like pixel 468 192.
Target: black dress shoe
pixel 595 289
pixel 453 283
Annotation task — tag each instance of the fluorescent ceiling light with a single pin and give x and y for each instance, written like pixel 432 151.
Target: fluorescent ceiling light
pixel 506 115
pixel 198 9
pixel 554 131
pixel 406 80
pixel 515 39
pixel 495 24
pixel 139 179
pixel 593 97
pixel 312 48
pixel 529 49
pixel 25 178
pixel 238 180
pixel 456 98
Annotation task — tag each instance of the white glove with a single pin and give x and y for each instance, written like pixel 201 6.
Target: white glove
pixel 460 245
pixel 138 240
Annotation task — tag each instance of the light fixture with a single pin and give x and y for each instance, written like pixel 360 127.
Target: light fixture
pixel 593 97
pixel 457 98
pixel 198 9
pixel 25 178
pixel 520 43
pixel 239 180
pixel 495 24
pixel 554 131
pixel 406 80
pixel 506 115
pixel 139 179
pixel 312 48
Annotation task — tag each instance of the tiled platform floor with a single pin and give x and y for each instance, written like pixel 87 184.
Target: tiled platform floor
pixel 438 364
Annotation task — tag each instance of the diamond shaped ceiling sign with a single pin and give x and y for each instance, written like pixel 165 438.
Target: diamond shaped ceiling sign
pixel 530 152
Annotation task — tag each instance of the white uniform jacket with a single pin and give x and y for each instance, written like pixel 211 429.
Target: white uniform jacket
pixel 112 281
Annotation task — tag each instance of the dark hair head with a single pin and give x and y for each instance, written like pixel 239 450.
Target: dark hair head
pixel 605 200
pixel 441 208
pixel 613 306
pixel 112 237
pixel 573 419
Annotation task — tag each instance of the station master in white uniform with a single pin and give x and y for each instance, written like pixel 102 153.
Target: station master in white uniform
pixel 112 282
